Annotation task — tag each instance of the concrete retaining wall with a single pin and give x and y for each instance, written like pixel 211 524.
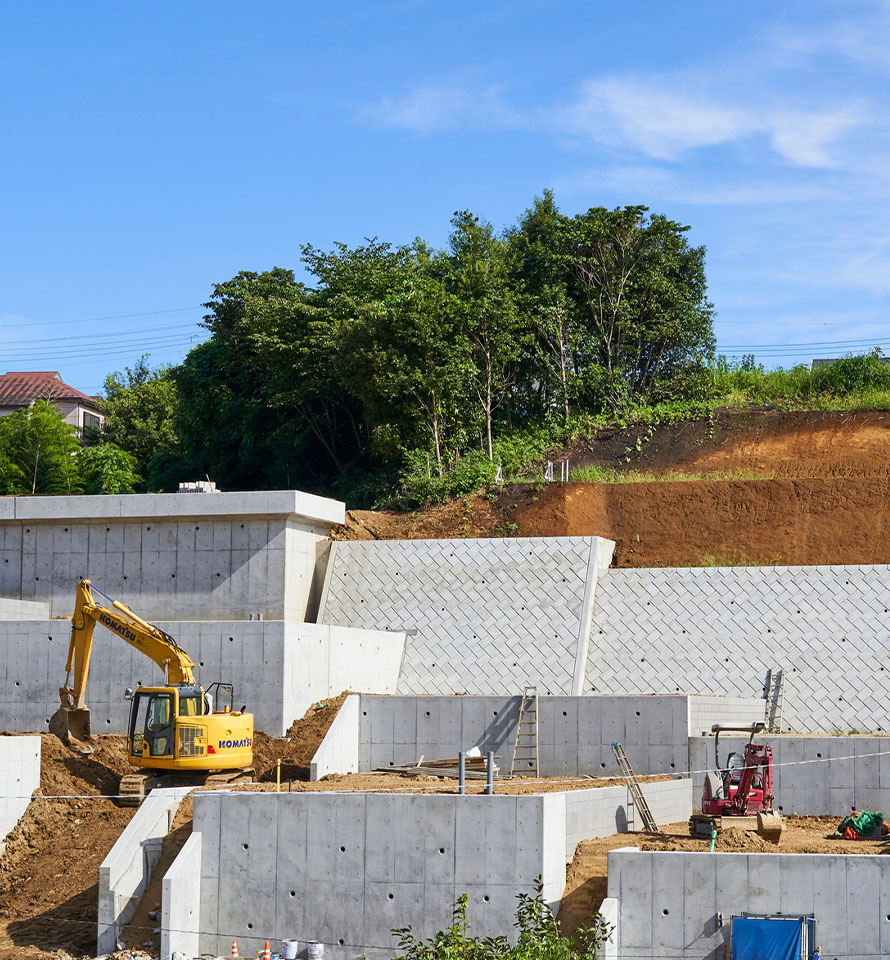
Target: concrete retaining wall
pixel 23 609
pixel 605 811
pixel 126 870
pixel 575 733
pixel 170 556
pixel 487 616
pixel 839 774
pixel 338 751
pixel 19 778
pixel 707 629
pixel 347 868
pixel 181 902
pixel 278 668
pixel 668 903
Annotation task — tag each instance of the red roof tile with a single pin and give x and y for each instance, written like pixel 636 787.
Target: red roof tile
pixel 21 389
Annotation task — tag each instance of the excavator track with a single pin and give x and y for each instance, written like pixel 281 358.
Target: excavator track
pixel 134 787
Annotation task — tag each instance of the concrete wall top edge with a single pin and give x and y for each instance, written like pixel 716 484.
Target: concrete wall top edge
pixel 375 544
pixel 139 506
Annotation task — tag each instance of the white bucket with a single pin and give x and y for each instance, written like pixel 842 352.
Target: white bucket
pixel 315 950
pixel 290 949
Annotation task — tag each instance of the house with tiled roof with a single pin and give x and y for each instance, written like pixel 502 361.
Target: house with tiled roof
pixel 20 389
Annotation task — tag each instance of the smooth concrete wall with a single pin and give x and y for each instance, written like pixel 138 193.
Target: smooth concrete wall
pixel 813 776
pixel 19 778
pixel 605 811
pixel 346 869
pixel 169 556
pixel 728 711
pixel 669 903
pixel 126 870
pixel 279 669
pixel 485 616
pixel 181 902
pixel 23 609
pixel 338 751
pixel 575 733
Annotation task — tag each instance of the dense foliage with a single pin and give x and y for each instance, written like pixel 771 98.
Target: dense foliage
pixel 40 453
pixel 539 937
pixel 415 372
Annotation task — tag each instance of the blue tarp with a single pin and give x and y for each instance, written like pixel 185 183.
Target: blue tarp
pixel 756 938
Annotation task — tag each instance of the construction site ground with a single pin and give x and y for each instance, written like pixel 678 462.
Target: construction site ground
pixel 744 487
pixel 49 870
pixel 586 876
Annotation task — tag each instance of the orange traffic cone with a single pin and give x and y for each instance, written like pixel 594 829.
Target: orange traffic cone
pixel 267 953
pixel 234 947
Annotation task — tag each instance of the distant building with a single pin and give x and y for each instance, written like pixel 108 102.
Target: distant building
pixel 827 362
pixel 20 390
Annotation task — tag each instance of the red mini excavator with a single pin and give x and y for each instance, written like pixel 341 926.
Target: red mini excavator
pixel 741 793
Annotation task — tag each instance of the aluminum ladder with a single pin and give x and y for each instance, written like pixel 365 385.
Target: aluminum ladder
pixel 630 778
pixel 525 748
pixel 774 694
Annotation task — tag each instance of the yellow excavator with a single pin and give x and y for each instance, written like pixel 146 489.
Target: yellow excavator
pixel 176 734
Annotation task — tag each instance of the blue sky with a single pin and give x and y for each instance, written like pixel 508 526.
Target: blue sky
pixel 149 151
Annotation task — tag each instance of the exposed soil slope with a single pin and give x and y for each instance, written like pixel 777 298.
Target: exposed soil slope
pixel 787 488
pixel 49 872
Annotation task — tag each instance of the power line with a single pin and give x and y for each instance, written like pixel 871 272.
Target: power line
pixel 119 316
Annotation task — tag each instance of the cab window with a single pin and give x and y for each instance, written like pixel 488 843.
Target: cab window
pixel 190 705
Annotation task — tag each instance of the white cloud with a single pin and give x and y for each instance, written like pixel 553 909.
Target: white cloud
pixel 663 120
pixel 659 118
pixel 443 107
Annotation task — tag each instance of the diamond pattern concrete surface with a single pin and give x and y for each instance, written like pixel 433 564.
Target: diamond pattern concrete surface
pixel 718 630
pixel 489 615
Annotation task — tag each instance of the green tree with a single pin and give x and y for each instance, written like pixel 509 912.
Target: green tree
pixel 541 278
pixel 641 291
pixel 140 408
pixel 479 280
pixel 42 449
pixel 105 468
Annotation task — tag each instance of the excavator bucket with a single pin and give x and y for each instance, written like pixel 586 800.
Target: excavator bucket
pixel 770 825
pixel 72 727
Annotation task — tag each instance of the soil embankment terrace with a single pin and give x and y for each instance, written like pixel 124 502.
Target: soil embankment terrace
pixel 767 488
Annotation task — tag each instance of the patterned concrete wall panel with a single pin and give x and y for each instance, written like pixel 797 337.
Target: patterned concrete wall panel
pixel 487 616
pixel 718 630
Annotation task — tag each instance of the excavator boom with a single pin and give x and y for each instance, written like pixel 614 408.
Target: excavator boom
pixel 71 722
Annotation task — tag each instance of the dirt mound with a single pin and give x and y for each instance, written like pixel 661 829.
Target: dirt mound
pixel 298 747
pixel 49 870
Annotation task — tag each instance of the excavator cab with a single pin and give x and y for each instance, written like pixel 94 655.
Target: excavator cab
pixel 154 714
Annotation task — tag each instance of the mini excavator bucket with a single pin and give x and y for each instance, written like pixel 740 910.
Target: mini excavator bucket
pixel 770 825
pixel 72 727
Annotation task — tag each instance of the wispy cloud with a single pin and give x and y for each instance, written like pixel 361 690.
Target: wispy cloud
pixel 657 117
pixel 444 107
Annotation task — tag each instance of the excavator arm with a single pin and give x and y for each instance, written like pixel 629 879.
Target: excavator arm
pixel 72 721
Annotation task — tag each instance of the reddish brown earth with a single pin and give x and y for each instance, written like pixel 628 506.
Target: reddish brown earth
pixel 777 488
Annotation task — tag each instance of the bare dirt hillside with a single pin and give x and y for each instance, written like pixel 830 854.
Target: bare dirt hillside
pixel 774 488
